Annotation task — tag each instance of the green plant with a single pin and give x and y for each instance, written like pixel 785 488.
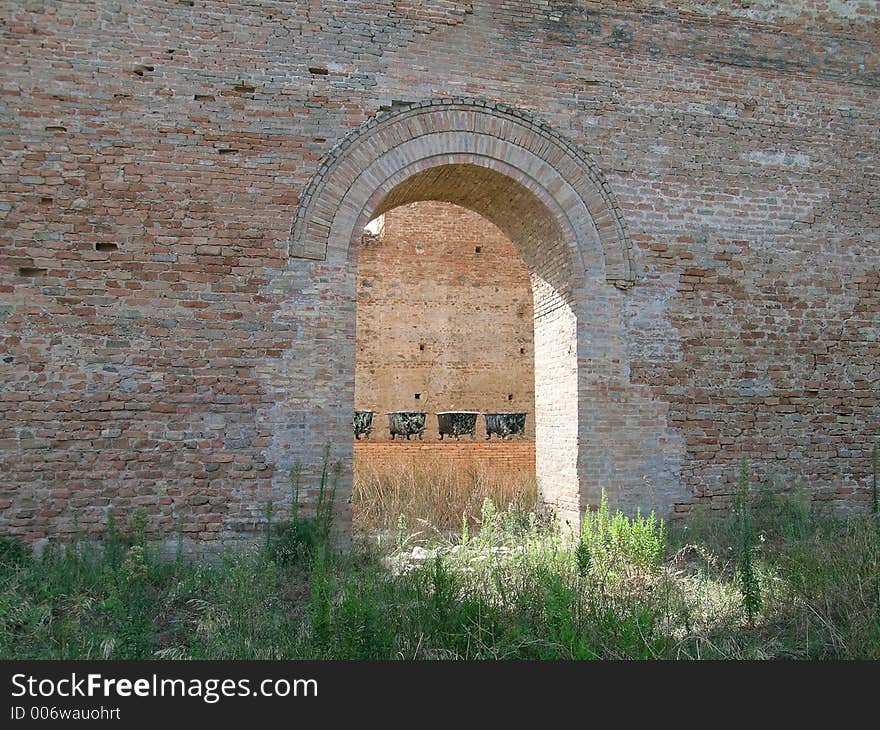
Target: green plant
pixel 294 480
pixel 875 505
pixel 487 523
pixel 112 545
pixel 321 601
pixel 583 558
pixel 138 527
pixel 12 552
pixel 326 496
pixel 749 583
pixel 297 539
pixel 610 542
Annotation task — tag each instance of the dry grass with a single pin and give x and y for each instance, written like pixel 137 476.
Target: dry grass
pixel 432 491
pixel 517 589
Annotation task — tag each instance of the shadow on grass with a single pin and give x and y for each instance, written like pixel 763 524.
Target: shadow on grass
pixel 774 577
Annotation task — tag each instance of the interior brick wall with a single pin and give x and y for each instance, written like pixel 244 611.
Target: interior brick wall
pixel 444 310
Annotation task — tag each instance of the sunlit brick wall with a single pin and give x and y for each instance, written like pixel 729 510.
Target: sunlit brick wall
pixel 444 318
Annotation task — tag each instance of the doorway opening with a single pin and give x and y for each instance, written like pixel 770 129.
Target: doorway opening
pixel 445 333
pixel 594 429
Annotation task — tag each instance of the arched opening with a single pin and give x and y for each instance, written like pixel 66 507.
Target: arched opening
pixel 594 429
pixel 536 233
pixel 445 331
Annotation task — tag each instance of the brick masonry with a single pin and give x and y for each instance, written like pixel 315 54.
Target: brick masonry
pixel 693 187
pixel 444 311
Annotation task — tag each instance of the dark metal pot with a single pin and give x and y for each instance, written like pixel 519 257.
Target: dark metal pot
pixel 363 423
pixel 407 423
pixel 457 423
pixel 505 424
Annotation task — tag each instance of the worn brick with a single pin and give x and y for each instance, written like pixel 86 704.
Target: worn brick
pixel 692 186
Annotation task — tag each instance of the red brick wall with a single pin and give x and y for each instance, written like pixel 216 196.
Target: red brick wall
pixel 437 317
pixel 159 349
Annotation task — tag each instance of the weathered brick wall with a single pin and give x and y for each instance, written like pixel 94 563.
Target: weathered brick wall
pixel 160 349
pixel 444 310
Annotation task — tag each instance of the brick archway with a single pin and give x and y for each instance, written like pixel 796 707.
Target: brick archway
pixel 551 200
pixel 361 170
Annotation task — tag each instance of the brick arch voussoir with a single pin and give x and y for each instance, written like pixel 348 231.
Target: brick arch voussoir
pixel 345 163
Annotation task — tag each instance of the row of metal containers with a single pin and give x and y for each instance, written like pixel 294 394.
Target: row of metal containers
pixel 449 423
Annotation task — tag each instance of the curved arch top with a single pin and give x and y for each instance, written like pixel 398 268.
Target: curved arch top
pixel 436 131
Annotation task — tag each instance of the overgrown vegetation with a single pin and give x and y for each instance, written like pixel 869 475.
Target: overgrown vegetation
pixel 772 578
pixel 431 495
